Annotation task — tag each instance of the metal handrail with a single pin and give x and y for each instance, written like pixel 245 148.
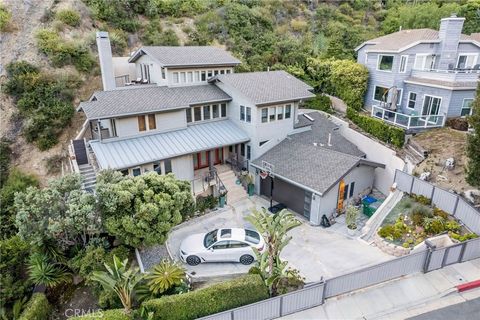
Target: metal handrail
pixel 408 124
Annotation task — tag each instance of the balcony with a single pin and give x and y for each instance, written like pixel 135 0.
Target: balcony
pixel 407 121
pixel 463 75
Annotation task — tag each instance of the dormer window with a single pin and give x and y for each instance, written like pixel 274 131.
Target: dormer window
pixel 385 63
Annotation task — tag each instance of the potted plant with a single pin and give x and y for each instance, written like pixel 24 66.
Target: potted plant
pixel 250 185
pixel 351 219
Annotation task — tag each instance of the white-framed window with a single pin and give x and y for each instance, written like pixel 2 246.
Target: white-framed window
pixel 399 96
pixel 222 71
pixel 176 79
pixel 209 74
pixel 385 62
pixel 242 113
pixel 402 68
pixel 183 77
pixel 228 71
pixel 188 113
pixel 197 76
pixel 412 100
pixel 249 114
pixel 164 76
pixel 264 115
pixel 280 113
pixel 197 114
pixel 215 72
pixel 424 61
pixel 215 111
pixel 249 152
pixel 206 112
pixel 466 107
pixel 136 171
pixel 288 111
pixel 271 113
pixel 204 76
pixel 380 93
pixel 431 105
pixel 223 110
pixel 466 60
pixel 190 76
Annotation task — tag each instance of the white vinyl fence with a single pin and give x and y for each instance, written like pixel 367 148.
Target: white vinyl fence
pixel 424 261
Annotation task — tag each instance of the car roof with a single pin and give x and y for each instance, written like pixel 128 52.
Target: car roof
pixel 231 234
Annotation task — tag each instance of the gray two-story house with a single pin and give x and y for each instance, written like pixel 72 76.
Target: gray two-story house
pixel 418 78
pixel 187 112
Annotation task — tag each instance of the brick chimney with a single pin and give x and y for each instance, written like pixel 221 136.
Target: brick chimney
pixel 449 35
pixel 106 61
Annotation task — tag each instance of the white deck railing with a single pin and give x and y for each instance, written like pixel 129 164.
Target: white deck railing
pixel 408 121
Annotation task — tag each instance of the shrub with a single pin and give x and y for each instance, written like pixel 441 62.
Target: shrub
pixel 120 14
pixel 320 102
pixel 390 232
pixel 13 282
pixel 204 203
pixel 5 154
pixel 462 238
pixel 17 182
pixel 440 213
pixel 216 298
pixel 37 308
pixel 434 225
pixel 115 314
pixel 418 213
pixel 62 52
pixel 69 17
pixel 452 225
pixel 421 199
pixel 378 128
pixel 5 17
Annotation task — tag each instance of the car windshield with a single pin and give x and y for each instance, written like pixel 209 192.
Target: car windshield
pixel 252 236
pixel 210 238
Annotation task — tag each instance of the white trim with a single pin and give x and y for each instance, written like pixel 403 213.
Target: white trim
pixel 439 86
pixel 399 101
pixel 462 107
pixel 470 41
pixel 408 100
pixel 366 58
pixel 374 86
pixel 467 54
pixel 424 55
pixel 404 48
pixel 435 97
pixel 385 55
pixel 400 64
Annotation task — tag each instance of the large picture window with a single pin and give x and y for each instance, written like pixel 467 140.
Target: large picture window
pixel 466 107
pixel 385 63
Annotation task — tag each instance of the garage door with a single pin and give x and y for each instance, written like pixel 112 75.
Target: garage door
pixel 293 197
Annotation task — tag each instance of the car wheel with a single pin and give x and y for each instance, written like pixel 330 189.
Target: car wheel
pixel 246 259
pixel 193 260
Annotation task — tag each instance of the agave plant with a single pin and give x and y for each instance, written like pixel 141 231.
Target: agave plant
pixel 44 272
pixel 121 280
pixel 165 275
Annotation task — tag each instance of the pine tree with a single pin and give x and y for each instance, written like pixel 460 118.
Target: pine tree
pixel 473 145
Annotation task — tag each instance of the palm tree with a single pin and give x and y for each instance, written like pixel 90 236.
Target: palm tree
pixel 44 272
pixel 121 280
pixel 165 275
pixel 273 228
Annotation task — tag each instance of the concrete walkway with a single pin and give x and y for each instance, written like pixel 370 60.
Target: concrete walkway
pixel 402 298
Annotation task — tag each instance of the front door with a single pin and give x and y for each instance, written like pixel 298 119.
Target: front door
pixel 431 108
pixel 218 156
pixel 341 192
pixel 200 160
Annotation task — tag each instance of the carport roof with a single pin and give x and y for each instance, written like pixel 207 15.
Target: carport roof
pixel 134 151
pixel 306 160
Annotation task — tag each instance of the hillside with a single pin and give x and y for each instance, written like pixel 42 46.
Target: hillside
pixel 263 34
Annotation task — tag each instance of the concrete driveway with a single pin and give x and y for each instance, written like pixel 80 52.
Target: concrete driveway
pixel 315 251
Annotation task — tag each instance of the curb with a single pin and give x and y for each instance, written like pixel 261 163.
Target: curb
pixel 468 286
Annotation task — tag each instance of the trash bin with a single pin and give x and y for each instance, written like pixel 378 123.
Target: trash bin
pixel 221 201
pixel 370 205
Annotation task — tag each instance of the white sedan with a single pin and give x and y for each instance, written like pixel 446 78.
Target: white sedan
pixel 221 245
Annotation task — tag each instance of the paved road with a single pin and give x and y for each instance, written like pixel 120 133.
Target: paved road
pixel 467 310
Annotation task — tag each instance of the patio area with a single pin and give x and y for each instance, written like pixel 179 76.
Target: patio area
pixel 315 251
pixel 408 121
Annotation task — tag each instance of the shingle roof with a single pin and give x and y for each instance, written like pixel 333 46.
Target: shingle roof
pixel 133 151
pixel 267 87
pixel 139 100
pixel 318 167
pixel 187 56
pixel 400 40
pixel 441 83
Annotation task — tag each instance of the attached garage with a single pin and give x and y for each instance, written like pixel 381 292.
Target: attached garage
pixel 295 198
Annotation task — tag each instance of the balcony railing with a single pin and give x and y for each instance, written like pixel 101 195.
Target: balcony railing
pixel 408 121
pixel 463 75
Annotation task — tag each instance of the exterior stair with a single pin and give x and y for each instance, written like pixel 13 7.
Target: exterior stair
pixel 89 176
pixel 236 192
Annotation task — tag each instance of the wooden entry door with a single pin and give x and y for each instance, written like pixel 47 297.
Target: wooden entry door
pixel 201 160
pixel 341 191
pixel 218 156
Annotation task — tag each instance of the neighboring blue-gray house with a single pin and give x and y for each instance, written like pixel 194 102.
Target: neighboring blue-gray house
pixel 420 77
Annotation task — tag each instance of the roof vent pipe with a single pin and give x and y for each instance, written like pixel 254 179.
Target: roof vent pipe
pixel 106 61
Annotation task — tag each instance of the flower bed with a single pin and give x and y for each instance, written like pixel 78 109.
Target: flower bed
pixel 413 220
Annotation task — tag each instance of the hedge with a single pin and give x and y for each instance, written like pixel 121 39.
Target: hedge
pixel 113 314
pixel 37 308
pixel 216 298
pixel 378 128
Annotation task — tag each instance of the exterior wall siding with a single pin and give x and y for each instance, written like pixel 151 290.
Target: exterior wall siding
pixel 165 121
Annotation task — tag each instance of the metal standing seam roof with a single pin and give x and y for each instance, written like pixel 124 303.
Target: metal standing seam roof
pixel 183 56
pixel 267 87
pixel 132 151
pixel 131 101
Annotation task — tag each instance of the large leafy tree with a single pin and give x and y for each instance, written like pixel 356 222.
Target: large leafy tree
pixel 61 212
pixel 141 210
pixel 273 228
pixel 473 145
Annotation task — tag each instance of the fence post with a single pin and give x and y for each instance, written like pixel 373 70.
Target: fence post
pixel 433 192
pixel 455 206
pixel 281 306
pixel 430 248
pixel 462 251
pixel 324 291
pixel 411 185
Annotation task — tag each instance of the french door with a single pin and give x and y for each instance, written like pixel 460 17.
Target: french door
pixel 431 108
